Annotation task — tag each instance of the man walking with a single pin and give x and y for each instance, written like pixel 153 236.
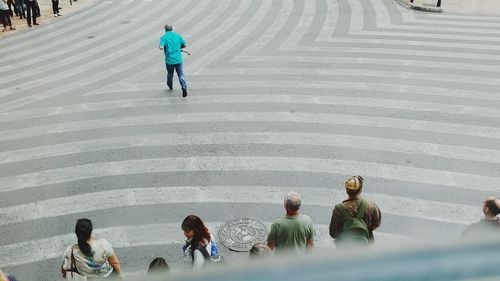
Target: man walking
pixel 489 226
pixel 293 232
pixel 172 44
pixel 354 220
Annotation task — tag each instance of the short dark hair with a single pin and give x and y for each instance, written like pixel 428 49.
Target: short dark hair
pixel 168 27
pixel 158 265
pixel 260 249
pixel 492 206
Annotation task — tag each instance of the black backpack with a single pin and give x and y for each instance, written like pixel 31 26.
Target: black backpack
pixel 355 231
pixel 210 260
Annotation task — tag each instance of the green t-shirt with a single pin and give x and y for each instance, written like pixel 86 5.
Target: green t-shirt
pixel 172 43
pixel 291 232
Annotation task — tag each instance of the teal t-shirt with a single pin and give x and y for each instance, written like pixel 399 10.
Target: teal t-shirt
pixel 291 232
pixel 172 43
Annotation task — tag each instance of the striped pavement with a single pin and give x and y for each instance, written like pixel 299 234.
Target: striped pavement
pixel 283 95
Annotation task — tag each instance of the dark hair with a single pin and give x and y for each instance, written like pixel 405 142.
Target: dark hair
pixel 168 27
pixel 201 233
pixel 260 249
pixel 158 265
pixel 491 204
pixel 83 230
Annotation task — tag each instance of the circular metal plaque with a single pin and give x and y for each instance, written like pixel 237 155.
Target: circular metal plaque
pixel 240 234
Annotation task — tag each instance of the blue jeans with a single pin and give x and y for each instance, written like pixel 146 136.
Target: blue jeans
pixel 180 74
pixel 20 6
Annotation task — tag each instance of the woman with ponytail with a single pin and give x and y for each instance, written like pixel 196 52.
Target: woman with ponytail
pixel 89 257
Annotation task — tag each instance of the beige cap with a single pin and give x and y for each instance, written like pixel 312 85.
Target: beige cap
pixel 354 183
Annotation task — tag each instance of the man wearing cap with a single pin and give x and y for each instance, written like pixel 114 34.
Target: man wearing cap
pixel 172 43
pixel 350 207
pixel 489 226
pixel 292 232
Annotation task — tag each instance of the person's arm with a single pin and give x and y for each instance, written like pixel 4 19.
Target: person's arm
pixel 334 224
pixel 162 44
pixel 310 244
pixel 375 217
pixel 66 260
pixel 115 263
pixel 184 45
pixel 198 259
pixel 272 237
pixel 310 237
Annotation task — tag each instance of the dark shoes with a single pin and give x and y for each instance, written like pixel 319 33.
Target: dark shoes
pixel 36 23
pixel 184 93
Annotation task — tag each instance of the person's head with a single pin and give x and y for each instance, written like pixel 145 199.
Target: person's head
pixel 168 27
pixel 491 207
pixel 354 186
pixel 83 231
pixel 292 202
pixel 195 230
pixel 158 265
pixel 260 249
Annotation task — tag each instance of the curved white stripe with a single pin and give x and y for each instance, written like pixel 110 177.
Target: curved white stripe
pixel 269 34
pixel 295 72
pixel 309 139
pixel 430 36
pixel 310 165
pixel 356 17
pixel 134 236
pixel 394 205
pixel 303 24
pixel 288 117
pixel 198 66
pixel 409 51
pixel 332 15
pixel 382 14
pixel 473 46
pixel 468 25
pixel 375 87
pixel 353 60
pixel 379 103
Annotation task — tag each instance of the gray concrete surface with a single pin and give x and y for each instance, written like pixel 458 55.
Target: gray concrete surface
pixel 283 95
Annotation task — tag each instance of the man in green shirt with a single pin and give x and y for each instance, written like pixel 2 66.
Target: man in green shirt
pixel 293 232
pixel 172 43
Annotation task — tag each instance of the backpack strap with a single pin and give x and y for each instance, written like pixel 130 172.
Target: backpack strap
pixel 203 250
pixel 360 214
pixel 361 209
pixel 343 212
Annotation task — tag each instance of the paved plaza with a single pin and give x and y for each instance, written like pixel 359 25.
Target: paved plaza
pixel 283 95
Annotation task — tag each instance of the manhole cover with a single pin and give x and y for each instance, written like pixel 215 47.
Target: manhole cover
pixel 240 234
